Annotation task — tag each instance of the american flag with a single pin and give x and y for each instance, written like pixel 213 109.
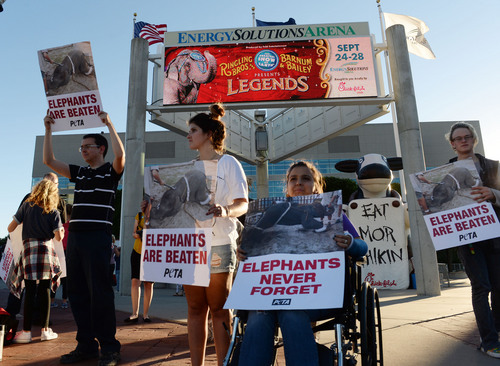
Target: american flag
pixel 153 33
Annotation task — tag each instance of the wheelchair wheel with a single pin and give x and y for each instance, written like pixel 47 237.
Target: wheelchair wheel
pixel 233 353
pixel 371 327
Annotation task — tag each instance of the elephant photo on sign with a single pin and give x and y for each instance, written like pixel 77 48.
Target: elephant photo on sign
pixel 179 196
pixel 184 75
pixel 446 187
pixel 295 225
pixel 67 69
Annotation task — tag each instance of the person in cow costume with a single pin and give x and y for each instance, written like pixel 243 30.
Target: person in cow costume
pixel 373 174
pixel 481 259
pixel 381 218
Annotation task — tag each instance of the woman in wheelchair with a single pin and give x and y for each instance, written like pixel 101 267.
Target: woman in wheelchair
pixel 300 347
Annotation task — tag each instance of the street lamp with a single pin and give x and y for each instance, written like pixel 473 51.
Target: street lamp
pixel 261 139
pixel 261 147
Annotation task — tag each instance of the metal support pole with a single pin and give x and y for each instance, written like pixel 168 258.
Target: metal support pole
pixel 262 179
pixel 133 177
pixel 424 254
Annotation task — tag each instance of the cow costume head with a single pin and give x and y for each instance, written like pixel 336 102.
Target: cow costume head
pixel 373 174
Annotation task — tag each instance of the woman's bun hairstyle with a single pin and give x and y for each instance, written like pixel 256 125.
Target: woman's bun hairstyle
pixel 212 123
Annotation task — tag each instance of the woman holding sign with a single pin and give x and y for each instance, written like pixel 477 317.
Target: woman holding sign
pixel 481 259
pixel 302 178
pixel 206 134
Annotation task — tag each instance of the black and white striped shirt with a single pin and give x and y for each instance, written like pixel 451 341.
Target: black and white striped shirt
pixel 95 189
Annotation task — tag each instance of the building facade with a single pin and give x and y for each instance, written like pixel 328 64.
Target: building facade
pixel 166 147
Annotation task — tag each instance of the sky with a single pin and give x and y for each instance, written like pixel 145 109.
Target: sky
pixel 460 84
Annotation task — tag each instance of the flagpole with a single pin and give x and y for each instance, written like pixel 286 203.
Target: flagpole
pixel 133 26
pixel 393 104
pixel 253 16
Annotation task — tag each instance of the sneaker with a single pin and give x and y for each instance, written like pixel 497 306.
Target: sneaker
pixel 77 356
pixel 64 305
pixel 320 230
pixel 494 352
pixel 22 337
pixel 54 305
pixel 48 335
pixel 109 359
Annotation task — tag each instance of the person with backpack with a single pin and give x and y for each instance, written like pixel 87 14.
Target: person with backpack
pixel 135 264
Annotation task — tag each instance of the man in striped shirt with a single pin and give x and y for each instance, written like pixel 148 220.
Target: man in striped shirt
pixel 88 255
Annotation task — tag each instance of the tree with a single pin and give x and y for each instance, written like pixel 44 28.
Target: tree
pixel 348 186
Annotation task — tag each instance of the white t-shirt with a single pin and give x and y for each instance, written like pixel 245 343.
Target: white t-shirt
pixel 231 184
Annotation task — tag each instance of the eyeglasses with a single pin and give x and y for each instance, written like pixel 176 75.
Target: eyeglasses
pixel 462 138
pixel 86 147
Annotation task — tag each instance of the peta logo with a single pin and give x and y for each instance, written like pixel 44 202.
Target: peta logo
pixel 282 301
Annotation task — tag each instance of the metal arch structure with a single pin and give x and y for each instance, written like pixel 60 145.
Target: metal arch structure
pixel 291 129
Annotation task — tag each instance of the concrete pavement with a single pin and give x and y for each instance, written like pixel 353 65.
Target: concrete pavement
pixel 417 330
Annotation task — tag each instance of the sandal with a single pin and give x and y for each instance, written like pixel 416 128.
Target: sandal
pixel 131 320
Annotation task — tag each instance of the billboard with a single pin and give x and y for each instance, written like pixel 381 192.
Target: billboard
pixel 284 63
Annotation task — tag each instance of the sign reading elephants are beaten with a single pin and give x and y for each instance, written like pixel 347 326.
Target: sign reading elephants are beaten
pixel 176 241
pixel 381 224
pixel 269 64
pixel 70 85
pixel 293 261
pixel 451 214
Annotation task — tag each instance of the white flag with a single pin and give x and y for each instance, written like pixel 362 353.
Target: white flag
pixel 414 30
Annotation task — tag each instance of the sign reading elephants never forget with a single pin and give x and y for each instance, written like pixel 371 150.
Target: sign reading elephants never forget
pixel 70 85
pixel 293 260
pixel 176 243
pixel 451 214
pixel 269 64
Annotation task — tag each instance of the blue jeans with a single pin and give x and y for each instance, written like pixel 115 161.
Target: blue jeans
pixel 483 270
pixel 298 338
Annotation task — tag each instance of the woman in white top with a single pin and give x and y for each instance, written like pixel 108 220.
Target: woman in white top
pixel 206 134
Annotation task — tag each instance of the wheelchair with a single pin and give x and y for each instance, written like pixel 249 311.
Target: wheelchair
pixel 357 327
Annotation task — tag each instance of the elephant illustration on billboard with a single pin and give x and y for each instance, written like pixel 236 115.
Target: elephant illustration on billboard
pixel 184 75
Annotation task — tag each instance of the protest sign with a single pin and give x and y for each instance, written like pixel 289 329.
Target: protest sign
pixel 176 243
pixel 289 281
pixel 11 253
pixel 70 85
pixel 381 224
pixel 451 214
pixel 59 248
pixel 293 260
pixel 176 256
